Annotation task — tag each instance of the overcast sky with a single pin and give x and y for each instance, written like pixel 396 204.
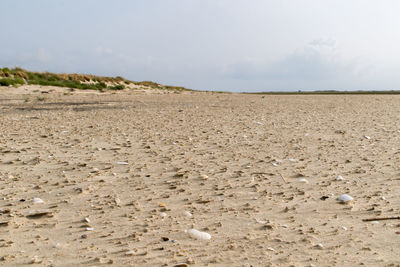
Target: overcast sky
pixel 230 45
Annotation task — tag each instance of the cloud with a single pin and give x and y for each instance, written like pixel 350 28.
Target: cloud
pixel 318 64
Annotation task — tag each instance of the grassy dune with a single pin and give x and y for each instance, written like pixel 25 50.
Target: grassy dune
pixel 18 76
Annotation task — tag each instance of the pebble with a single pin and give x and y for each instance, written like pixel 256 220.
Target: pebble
pixel 163 214
pixel 319 245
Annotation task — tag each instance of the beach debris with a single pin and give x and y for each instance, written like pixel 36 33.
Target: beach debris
pixel 367 137
pixel 258 122
pixel 319 245
pixel 163 205
pixel 35 259
pixel 274 164
pixel 37 200
pixel 196 234
pixel 270 249
pixel 163 214
pixel 303 180
pixel 283 178
pixel 381 219
pixel 89 228
pixel 187 214
pixel 344 228
pixel 345 199
pixel 87 220
pixel 383 198
pixel 122 163
pixel 130 252
pixel 292 160
pixel 339 178
pixel 324 198
pixel 204 177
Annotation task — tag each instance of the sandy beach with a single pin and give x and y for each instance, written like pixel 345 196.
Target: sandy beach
pixel 118 178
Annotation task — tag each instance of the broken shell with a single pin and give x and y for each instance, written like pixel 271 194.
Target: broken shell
pixel 302 180
pixel 37 200
pixel 188 214
pixel 345 198
pixel 199 235
pixel 339 178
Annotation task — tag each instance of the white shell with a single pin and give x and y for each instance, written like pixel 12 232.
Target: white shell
pixel 339 178
pixel 122 163
pixel 199 235
pixel 187 214
pixel 345 198
pixel 37 200
pixel 367 137
pixel 163 214
pixel 302 180
pixel 89 228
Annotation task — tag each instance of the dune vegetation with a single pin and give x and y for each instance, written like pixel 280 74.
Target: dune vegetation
pixel 19 76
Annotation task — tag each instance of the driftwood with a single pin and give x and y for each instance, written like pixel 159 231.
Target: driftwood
pixel 381 219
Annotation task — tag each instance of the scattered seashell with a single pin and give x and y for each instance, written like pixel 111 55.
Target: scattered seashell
pixel 87 219
pixel 344 228
pixel 274 164
pixel 383 198
pixel 89 228
pixel 37 200
pixel 319 245
pixel 205 177
pixel 130 252
pixel 199 235
pixel 345 198
pixel 339 178
pixel 163 214
pixel 367 137
pixel 260 221
pixel 292 160
pixel 270 249
pixel 303 180
pixel 122 163
pixel 162 205
pixel 187 213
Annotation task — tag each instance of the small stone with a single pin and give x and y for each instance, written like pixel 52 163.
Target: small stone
pixel 163 214
pixel 163 205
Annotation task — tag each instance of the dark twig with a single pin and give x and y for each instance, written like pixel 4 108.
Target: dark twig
pixel 381 219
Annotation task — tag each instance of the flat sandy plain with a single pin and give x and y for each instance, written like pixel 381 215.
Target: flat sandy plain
pixel 121 173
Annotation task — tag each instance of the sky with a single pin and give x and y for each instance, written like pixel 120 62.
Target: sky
pixel 224 45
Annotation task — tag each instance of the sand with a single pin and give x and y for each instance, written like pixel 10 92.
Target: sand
pixel 124 175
